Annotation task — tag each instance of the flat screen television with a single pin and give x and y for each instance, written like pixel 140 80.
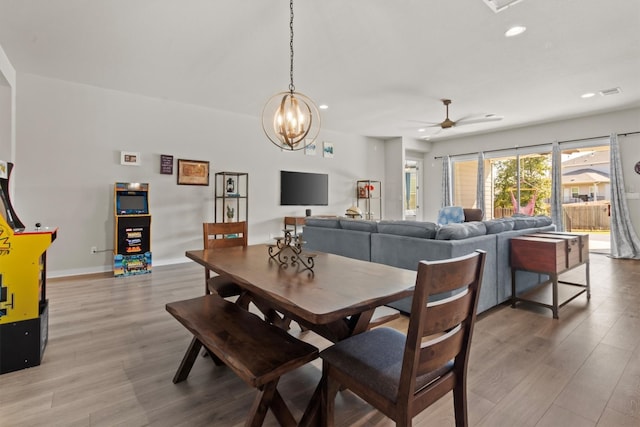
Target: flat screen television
pixel 132 203
pixel 304 189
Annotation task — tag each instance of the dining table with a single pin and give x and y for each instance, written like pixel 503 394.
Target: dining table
pixel 335 299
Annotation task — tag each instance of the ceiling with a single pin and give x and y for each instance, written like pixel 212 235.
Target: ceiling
pixel 379 65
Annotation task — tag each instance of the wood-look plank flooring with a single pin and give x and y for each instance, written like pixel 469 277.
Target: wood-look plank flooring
pixel 113 350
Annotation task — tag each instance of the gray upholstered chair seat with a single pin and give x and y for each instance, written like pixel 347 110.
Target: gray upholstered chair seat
pixel 378 370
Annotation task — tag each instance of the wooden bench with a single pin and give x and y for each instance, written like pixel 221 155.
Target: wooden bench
pixel 256 351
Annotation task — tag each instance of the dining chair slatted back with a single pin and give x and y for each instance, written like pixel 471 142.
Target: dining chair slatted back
pixel 223 235
pixel 401 375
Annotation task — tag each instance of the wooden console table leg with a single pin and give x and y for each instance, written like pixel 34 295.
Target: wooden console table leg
pixel 554 278
pixel 588 281
pixel 513 288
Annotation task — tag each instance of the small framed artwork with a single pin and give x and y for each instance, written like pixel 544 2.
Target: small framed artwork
pixel 310 149
pixel 129 158
pixel 327 149
pixel 166 164
pixel 193 172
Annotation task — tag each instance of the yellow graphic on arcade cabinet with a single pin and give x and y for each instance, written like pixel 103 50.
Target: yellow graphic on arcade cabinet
pixel 20 267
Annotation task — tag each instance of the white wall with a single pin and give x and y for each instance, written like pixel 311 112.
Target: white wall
pixel 585 127
pixel 68 158
pixel 7 108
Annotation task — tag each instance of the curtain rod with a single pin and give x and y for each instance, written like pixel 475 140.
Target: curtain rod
pixel 540 145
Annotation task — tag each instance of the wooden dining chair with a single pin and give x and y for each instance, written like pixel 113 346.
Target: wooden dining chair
pixel 401 375
pixel 223 235
pixel 228 235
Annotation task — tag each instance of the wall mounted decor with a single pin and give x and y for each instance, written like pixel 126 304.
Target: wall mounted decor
pixel 327 149
pixel 193 172
pixel 166 164
pixel 129 158
pixel 310 149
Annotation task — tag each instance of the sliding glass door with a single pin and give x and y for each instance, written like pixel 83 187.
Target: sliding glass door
pixel 512 184
pixel 586 194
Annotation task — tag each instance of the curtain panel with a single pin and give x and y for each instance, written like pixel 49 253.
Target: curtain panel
pixel 446 181
pixel 624 240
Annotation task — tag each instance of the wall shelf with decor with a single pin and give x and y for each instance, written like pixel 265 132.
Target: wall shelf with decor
pixel 231 202
pixel 369 198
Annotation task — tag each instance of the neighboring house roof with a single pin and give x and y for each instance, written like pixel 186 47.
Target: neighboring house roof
pixel 588 159
pixel 585 176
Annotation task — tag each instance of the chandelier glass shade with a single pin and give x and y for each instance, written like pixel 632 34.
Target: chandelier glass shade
pixel 291 119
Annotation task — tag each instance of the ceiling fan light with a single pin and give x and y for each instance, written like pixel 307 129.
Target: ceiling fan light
pixel 516 30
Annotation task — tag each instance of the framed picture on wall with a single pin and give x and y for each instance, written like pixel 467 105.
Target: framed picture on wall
pixel 193 172
pixel 327 149
pixel 130 158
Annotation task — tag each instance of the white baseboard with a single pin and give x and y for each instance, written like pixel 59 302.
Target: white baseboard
pixel 108 268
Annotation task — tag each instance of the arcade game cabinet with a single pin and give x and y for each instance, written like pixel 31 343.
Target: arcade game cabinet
pixel 132 249
pixel 24 314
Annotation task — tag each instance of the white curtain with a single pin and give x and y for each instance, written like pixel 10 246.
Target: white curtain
pixel 480 183
pixel 446 181
pixel 624 240
pixel 556 187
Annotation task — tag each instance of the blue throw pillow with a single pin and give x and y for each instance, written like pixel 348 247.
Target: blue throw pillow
pixel 451 215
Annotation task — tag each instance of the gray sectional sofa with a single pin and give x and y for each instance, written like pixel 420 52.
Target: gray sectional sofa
pixel 405 243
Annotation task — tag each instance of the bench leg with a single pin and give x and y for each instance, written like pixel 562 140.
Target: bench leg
pixel 261 404
pixel 187 361
pixel 282 412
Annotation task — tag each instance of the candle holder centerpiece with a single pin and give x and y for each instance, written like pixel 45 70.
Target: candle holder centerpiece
pixel 288 253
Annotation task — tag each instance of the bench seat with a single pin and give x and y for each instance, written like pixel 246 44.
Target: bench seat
pixel 258 352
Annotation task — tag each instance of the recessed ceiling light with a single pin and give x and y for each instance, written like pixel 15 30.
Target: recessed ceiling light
pixel 587 95
pixel 422 130
pixel 323 106
pixel 515 30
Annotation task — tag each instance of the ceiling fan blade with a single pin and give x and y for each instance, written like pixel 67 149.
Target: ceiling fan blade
pixel 425 123
pixel 482 119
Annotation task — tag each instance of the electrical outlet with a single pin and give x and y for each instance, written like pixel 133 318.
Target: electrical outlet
pixel 94 249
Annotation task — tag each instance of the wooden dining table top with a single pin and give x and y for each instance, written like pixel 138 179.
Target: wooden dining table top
pixel 338 287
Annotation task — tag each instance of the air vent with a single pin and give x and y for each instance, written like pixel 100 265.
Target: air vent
pixel 500 5
pixel 607 92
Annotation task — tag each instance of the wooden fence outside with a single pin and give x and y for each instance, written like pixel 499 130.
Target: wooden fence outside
pixel 592 216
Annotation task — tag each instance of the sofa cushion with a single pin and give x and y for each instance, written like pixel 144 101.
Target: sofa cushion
pixel 322 222
pixel 426 230
pixel 461 231
pixel 359 225
pixel 495 226
pixel 522 222
pixel 542 220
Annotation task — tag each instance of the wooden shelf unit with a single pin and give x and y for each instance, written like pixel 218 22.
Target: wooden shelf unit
pixel 231 192
pixel 368 197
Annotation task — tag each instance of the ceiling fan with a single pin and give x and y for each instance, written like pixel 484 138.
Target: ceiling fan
pixel 447 123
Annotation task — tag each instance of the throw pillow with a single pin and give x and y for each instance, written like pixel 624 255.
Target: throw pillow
pixel 451 215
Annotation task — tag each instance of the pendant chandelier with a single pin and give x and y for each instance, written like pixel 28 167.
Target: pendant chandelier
pixel 290 119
